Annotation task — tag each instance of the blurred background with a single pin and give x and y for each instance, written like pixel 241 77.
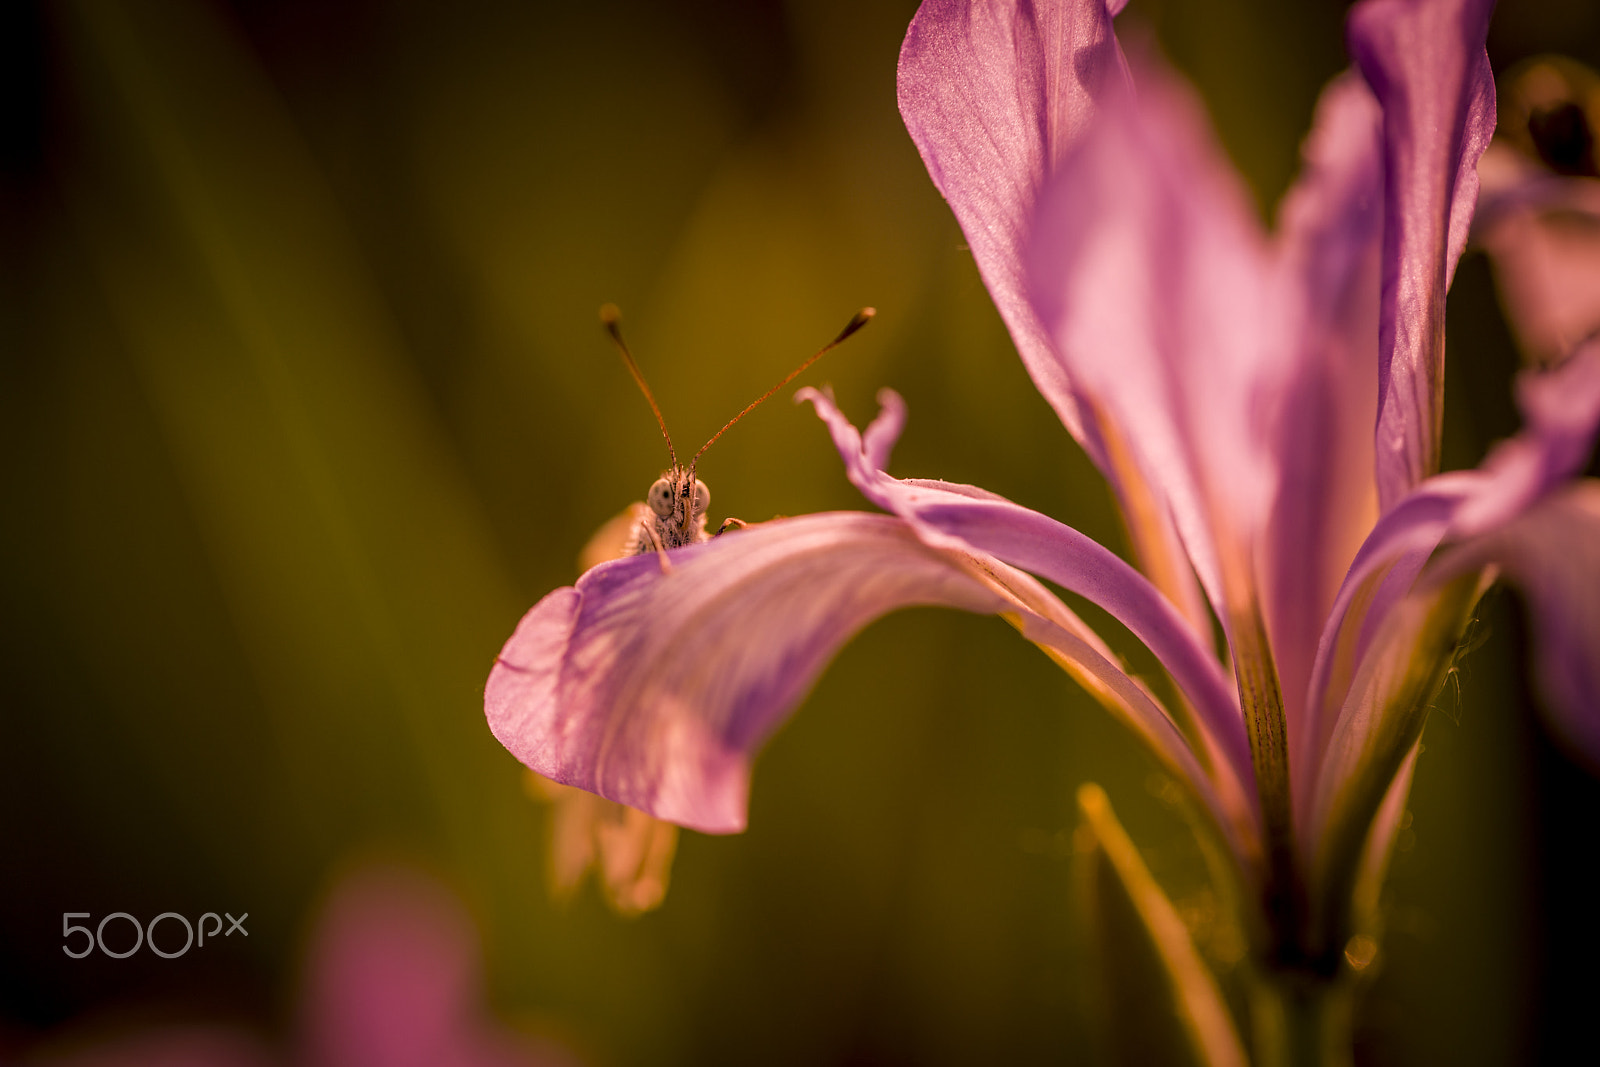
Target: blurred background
pixel 303 401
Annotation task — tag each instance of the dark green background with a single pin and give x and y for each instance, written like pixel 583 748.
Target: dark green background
pixel 303 401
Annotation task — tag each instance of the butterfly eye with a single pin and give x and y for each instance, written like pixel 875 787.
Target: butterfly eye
pixel 660 498
pixel 702 496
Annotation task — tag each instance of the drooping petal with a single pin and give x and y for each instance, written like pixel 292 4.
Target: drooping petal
pixel 971 519
pixel 1562 413
pixel 654 690
pixel 995 94
pixel 1329 232
pixel 1426 63
pixel 1552 554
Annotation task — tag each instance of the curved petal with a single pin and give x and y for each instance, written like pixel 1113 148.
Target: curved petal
pixel 1329 232
pixel 1562 410
pixel 972 519
pixel 654 690
pixel 1426 62
pixel 1552 553
pixel 993 93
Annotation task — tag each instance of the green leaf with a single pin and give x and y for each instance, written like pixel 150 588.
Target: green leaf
pixel 1143 947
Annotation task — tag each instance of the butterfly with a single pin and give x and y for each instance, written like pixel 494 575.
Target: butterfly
pixel 674 510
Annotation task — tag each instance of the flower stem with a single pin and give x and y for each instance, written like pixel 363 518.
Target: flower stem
pixel 1301 1020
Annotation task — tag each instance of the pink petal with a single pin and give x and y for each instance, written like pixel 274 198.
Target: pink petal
pixel 1150 273
pixel 1330 227
pixel 970 518
pixel 1562 413
pixel 1426 62
pixel 395 981
pixel 654 690
pixel 994 93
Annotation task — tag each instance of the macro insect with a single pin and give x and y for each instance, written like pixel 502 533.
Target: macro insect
pixel 674 511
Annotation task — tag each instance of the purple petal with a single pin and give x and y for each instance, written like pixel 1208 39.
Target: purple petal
pixel 972 519
pixel 994 93
pixel 1426 62
pixel 655 689
pixel 1153 278
pixel 1329 233
pixel 1562 413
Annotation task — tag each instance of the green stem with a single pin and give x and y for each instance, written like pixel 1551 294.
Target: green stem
pixel 1301 1020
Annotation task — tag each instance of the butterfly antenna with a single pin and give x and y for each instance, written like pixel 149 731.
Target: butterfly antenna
pixel 610 316
pixel 861 318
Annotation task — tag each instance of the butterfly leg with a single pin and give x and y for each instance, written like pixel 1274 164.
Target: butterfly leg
pixel 661 549
pixel 730 523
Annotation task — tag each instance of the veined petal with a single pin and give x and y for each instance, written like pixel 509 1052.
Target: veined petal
pixel 995 94
pixel 1155 281
pixel 1426 62
pixel 1152 277
pixel 654 689
pixel 1329 232
pixel 972 519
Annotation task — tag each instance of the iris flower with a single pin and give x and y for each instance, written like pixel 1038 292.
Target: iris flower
pixel 1267 410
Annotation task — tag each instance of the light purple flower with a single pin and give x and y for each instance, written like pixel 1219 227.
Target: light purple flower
pixel 1266 407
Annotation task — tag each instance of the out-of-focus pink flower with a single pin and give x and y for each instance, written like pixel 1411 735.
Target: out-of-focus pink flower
pixel 1539 213
pixel 393 978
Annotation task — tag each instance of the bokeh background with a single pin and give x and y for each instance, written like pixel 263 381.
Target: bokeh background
pixel 303 402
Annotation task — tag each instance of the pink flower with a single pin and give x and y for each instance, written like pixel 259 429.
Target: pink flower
pixel 393 979
pixel 1266 406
